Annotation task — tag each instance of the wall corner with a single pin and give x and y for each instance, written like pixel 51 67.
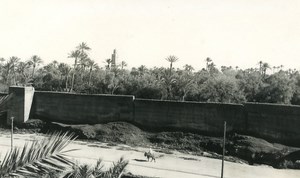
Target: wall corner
pixel 20 103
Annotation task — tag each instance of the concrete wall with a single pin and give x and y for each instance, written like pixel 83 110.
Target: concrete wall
pixel 190 116
pixel 20 103
pixel 28 98
pixel 3 94
pixel 279 123
pixel 78 108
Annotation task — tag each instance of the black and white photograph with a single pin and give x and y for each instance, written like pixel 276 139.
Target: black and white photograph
pixel 149 89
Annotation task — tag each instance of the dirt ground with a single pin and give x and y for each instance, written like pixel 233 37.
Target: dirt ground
pixel 239 148
pixel 168 165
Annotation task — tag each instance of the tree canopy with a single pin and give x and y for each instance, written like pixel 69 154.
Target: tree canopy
pixel 229 84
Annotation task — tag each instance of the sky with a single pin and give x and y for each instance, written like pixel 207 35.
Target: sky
pixel 144 32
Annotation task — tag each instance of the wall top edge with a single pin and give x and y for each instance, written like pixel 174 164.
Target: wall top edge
pixel 271 104
pixel 156 100
pixel 16 86
pixel 191 102
pixel 83 94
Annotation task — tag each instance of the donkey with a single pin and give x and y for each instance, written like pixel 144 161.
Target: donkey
pixel 149 155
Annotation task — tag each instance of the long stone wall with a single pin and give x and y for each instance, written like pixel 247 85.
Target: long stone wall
pixel 279 123
pixel 79 108
pixel 188 116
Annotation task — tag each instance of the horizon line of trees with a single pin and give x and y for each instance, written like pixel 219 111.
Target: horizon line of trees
pixel 227 85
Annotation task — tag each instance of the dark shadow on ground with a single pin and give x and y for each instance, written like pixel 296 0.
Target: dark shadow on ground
pixel 140 160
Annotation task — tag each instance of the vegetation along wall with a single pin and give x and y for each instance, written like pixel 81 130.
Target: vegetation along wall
pixel 279 123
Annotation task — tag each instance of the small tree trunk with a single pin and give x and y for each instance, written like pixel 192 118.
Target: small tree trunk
pixel 90 76
pixel 183 97
pixel 72 83
pixel 67 78
pixel 33 68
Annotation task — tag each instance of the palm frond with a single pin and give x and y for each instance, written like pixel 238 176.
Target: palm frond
pixel 98 169
pixel 116 170
pixel 87 171
pixel 38 158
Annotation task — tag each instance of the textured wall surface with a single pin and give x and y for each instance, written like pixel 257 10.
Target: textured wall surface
pixel 20 103
pixel 274 122
pixel 190 116
pixel 78 108
pixel 28 99
pixel 279 123
pixel 16 104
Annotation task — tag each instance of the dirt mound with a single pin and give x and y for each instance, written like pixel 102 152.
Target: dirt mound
pixel 238 147
pixel 118 132
pixel 251 149
pixel 187 142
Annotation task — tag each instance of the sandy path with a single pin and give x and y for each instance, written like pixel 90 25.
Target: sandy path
pixel 168 165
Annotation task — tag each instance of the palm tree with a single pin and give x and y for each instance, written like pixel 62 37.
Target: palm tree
pixel 113 82
pixel 13 63
pixel 171 59
pixel 212 68
pixel 1 62
pixel 64 70
pixel 74 54
pixel 91 65
pixel 274 69
pixel 142 69
pixel 7 70
pixel 84 62
pixel 265 67
pixel 260 66
pixel 83 47
pixel 123 64
pixel 35 61
pixel 188 68
pixel 47 158
pixel 166 82
pixel 39 158
pixel 281 67
pixel 208 60
pixel 185 83
pixel 22 69
pixel 55 63
pixel 108 61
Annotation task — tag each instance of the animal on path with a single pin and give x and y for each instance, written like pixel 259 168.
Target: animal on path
pixel 149 155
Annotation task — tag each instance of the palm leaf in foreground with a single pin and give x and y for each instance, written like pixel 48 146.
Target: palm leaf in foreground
pixel 88 171
pixel 117 169
pixel 38 158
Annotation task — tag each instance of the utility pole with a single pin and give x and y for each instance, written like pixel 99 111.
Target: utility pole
pixel 12 133
pixel 224 139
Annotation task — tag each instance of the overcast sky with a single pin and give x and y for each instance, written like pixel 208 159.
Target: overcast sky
pixel 144 32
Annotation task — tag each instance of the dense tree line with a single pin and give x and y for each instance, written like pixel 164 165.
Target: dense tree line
pixel 230 85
